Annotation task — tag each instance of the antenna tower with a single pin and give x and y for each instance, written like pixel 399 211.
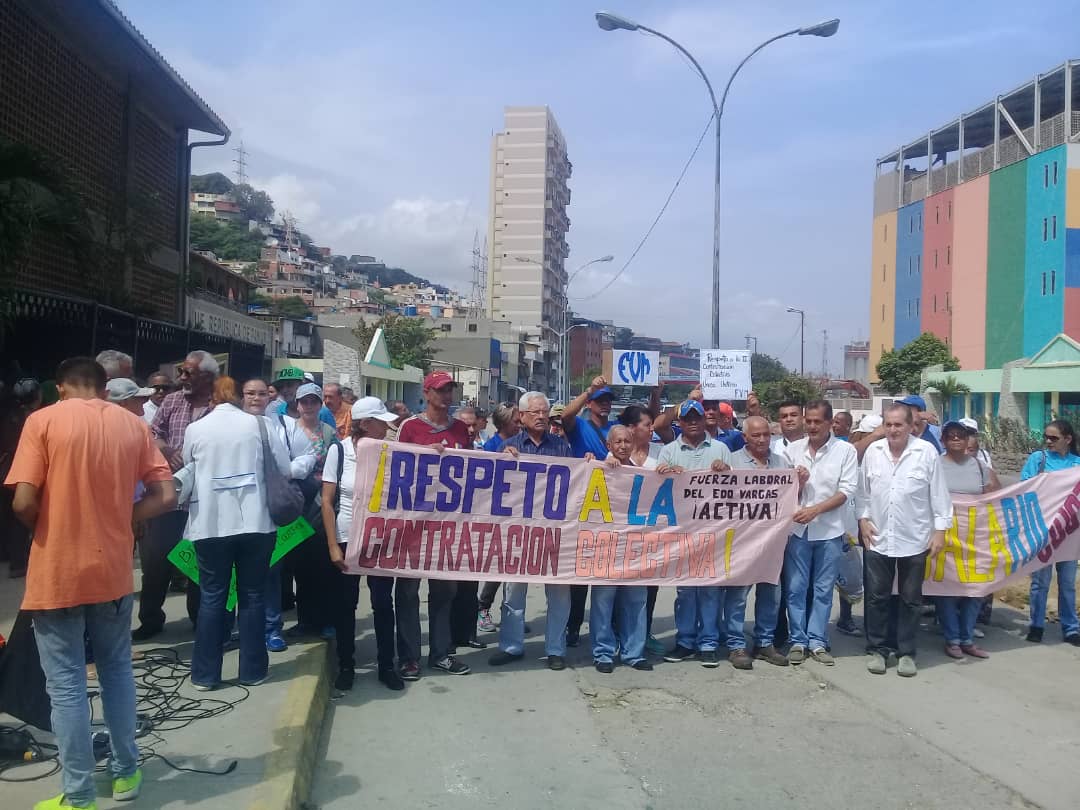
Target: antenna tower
pixel 241 164
pixel 478 293
pixel 825 353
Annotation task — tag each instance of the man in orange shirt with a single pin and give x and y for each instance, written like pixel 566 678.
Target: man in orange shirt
pixel 75 473
pixel 341 410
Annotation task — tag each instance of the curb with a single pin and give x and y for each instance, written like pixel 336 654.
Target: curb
pixel 289 769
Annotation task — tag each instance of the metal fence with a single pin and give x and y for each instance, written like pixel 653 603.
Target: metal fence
pixel 47 329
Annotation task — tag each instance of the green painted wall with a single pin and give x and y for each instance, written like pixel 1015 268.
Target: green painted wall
pixel 1037 405
pixel 1005 265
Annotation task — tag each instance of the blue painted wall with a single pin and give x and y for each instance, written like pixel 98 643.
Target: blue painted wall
pixel 1044 249
pixel 909 257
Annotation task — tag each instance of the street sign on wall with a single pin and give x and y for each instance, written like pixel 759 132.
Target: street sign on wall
pixel 631 367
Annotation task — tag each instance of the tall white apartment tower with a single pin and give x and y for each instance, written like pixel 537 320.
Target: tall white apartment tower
pixel 530 174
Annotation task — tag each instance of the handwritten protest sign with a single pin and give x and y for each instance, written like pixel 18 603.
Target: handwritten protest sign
pixel 468 515
pixel 288 538
pixel 725 373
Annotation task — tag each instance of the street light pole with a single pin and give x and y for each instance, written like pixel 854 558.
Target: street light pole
pixel 802 339
pixel 612 22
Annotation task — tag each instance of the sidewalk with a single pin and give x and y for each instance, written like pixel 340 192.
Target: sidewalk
pixel 271 734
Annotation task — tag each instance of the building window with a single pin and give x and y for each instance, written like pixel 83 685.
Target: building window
pixel 1044 283
pixel 937 214
pixel 920 221
pixel 883 313
pixel 1044 229
pixel 882 272
pixel 445 327
pixel 935 303
pixel 948 303
pixel 950 210
pixel 918 263
pixel 935 258
pixel 885 233
pixel 470 327
pixel 1053 282
pixel 909 265
pixel 1053 227
pixel 948 255
pixel 1055 172
pixel 911 225
pixel 1046 175
pixel 918 307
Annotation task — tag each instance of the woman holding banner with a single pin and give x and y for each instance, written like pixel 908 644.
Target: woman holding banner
pixel 964 475
pixel 370 420
pixel 1058 453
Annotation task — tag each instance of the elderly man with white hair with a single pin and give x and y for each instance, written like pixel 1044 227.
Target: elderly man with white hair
pixel 116 364
pixel 535 439
pixel 178 410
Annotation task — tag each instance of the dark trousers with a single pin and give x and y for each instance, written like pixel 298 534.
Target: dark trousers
pixel 315 574
pixel 407 604
pixel 878 574
pixel 382 609
pixel 578 595
pixel 463 611
pixel 161 536
pixel 650 605
pixel 250 554
pixel 14 537
pixel 487 595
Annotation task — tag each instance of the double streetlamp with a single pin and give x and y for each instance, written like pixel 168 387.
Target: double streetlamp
pixel 564 344
pixel 612 22
pixel 802 338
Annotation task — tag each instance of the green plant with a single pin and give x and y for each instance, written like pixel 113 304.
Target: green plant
pixel 947 388
pixel 408 340
pixel 793 387
pixel 901 369
pixel 1010 436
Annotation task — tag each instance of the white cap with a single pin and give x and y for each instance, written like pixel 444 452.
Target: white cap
pixel 970 423
pixel 308 390
pixel 869 423
pixel 121 389
pixel 309 376
pixel 372 408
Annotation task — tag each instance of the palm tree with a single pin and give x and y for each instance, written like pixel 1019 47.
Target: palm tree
pixel 946 388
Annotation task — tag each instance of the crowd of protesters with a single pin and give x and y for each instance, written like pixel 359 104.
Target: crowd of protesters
pixel 222 463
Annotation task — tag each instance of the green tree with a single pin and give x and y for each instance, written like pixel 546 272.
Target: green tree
pixel 623 336
pixel 254 204
pixel 229 241
pixel 793 387
pixel 765 368
pixel 901 369
pixel 213 183
pixel 947 388
pixel 408 340
pixel 291 307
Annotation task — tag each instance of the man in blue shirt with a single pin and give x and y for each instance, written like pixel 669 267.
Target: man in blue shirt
pixel 720 424
pixel 588 434
pixel 287 381
pixel 535 439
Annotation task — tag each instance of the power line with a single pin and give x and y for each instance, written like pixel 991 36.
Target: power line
pixel 656 221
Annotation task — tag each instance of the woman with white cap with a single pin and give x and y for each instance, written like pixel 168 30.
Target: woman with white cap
pixel 370 420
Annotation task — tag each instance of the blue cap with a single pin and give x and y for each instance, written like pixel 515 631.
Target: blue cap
pixel 691 405
pixel 601 392
pixel 914 401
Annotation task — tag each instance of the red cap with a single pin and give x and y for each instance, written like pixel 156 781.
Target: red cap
pixel 437 379
pixel 725 409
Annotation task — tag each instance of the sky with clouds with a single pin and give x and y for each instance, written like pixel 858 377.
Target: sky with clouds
pixel 372 123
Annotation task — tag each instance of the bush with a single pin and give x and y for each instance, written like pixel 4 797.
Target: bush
pixel 1010 436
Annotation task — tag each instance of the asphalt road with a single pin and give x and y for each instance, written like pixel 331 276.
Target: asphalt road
pixel 990 734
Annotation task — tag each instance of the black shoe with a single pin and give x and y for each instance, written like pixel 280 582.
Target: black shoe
pixel 528 629
pixel 391 680
pixel 710 659
pixel 644 665
pixel 501 659
pixel 451 666
pixel 344 680
pixel 1074 639
pixel 572 638
pixel 410 671
pixel 1035 635
pixel 475 644
pixel 556 662
pixel 300 631
pixel 605 666
pixel 679 653
pixel 145 632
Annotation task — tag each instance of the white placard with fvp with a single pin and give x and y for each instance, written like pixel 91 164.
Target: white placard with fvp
pixel 725 373
pixel 631 367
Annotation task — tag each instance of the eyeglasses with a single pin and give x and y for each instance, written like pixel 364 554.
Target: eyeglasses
pixel 184 372
pixel 539 414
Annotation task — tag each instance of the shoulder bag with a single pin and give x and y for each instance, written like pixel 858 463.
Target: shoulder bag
pixel 283 497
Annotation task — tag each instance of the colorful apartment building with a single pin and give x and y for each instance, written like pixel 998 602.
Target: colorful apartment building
pixel 976 233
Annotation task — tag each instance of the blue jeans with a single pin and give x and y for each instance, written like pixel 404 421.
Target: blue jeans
pixel 61 647
pixel 274 622
pixel 733 616
pixel 1040 587
pixel 250 553
pixel 697 617
pixel 626 603
pixel 957 615
pixel 512 629
pixel 766 613
pixel 810 566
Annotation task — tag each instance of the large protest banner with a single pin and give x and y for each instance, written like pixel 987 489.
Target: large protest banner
pixel 471 515
pixel 1007 535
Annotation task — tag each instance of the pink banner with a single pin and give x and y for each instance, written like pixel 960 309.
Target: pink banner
pixel 1007 535
pixel 485 516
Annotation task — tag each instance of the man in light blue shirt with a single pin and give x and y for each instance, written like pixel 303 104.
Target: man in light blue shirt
pixel 697 608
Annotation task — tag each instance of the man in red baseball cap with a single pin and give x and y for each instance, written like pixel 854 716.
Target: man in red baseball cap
pixel 434 426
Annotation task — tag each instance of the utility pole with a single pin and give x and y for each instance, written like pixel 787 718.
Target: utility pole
pixel 825 353
pixel 802 339
pixel 241 164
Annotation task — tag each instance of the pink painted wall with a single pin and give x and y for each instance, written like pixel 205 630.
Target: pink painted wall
pixel 939 215
pixel 971 211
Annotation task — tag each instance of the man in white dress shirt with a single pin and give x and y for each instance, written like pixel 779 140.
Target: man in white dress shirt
pixel 904 509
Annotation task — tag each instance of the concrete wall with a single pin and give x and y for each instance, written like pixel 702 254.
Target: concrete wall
pixel 1005 265
pixel 882 288
pixel 936 314
pixel 909 270
pixel 971 202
